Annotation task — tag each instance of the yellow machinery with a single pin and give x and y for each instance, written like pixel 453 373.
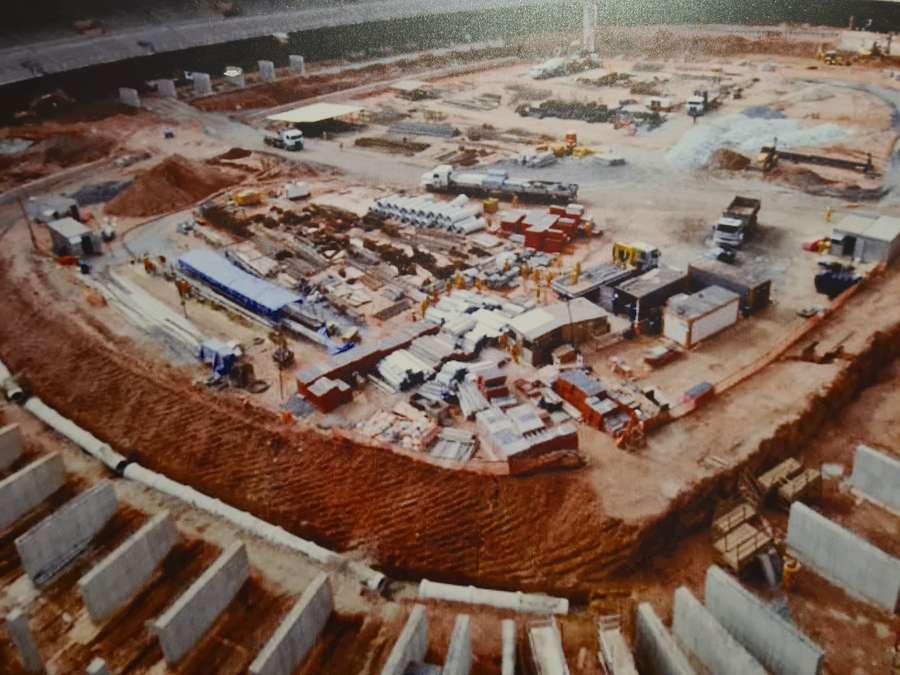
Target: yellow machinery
pixel 638 255
pixel 248 198
pixel 491 205
pixel 830 57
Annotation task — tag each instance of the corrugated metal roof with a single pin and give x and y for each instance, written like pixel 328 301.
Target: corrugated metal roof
pixel 701 303
pixel 215 267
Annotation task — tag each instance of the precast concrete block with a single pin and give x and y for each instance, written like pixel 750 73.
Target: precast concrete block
pixel 459 653
pixel 875 475
pixel 266 71
pixel 51 544
pixel 655 650
pixel 130 97
pixel 166 88
pixel 844 558
pixel 698 632
pixel 298 64
pixel 187 620
pixel 20 632
pixel 110 585
pixel 24 490
pixel 297 634
pixel 202 84
pixel 411 645
pixel 97 667
pixel 12 445
pixel 508 638
pixel 776 643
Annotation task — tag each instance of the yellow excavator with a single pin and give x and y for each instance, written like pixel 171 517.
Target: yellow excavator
pixel 637 255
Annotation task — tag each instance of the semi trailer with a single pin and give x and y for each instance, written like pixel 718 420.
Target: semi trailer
pixel 497 183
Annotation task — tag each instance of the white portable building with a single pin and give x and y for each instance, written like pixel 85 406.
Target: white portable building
pixel 688 319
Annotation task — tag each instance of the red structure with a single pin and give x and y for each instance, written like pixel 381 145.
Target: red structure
pixel 327 394
pixel 550 232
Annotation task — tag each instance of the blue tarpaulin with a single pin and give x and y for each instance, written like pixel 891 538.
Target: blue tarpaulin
pixel 218 355
pixel 255 294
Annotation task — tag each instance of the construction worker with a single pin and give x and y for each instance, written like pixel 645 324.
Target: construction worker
pixel 829 214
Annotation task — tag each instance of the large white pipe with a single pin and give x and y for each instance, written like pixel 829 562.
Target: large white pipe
pixel 101 451
pixel 528 603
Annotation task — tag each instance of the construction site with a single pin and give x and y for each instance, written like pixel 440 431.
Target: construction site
pixel 415 338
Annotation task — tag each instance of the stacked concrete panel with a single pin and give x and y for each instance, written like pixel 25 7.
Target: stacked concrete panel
pixel 459 653
pixel 202 84
pixel 266 71
pixel 20 632
pixel 298 64
pixel 25 489
pixel 844 558
pixel 297 634
pixel 166 88
pixel 129 97
pixel 655 649
pixel 877 476
pixel 11 445
pixel 411 645
pixel 508 637
pixel 698 632
pixel 775 642
pixel 55 541
pixel 185 622
pixel 111 584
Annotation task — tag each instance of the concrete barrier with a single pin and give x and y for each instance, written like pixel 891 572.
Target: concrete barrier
pixel 129 97
pixel 459 653
pixel 24 490
pixel 773 641
pixel 411 645
pixel 844 558
pixel 298 63
pixel 266 71
pixel 110 585
pixel 508 637
pixel 298 632
pixel 51 544
pixel 698 632
pixel 20 632
pixel 97 667
pixel 655 649
pixel 202 84
pixel 12 445
pixel 876 476
pixel 166 88
pixel 186 621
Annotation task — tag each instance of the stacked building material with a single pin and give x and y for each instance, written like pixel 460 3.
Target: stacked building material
pixel 471 401
pixel 455 444
pixel 460 215
pixel 423 129
pixel 492 384
pixel 520 432
pixel 402 370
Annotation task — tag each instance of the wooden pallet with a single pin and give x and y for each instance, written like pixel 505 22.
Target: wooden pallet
pixel 739 548
pixel 732 519
pixel 806 486
pixel 772 478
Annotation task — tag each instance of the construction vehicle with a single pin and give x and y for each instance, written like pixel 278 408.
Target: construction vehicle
pixel 497 183
pixel 286 139
pixel 248 198
pixel 702 102
pixel 830 57
pixel 736 222
pixel 638 256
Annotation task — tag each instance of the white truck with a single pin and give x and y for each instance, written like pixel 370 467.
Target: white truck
pixel 497 183
pixel 287 139
pixel 736 222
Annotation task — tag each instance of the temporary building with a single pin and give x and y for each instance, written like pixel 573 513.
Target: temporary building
pixel 867 238
pixel 73 238
pixel 688 319
pixel 255 294
pixel 753 285
pixel 220 357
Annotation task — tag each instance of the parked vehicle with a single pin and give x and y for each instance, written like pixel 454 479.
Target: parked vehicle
pixel 497 183
pixel 287 139
pixel 737 221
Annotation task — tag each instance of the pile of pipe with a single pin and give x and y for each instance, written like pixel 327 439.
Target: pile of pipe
pixel 460 216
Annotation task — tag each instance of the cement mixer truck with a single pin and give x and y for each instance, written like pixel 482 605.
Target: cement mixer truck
pixel 497 183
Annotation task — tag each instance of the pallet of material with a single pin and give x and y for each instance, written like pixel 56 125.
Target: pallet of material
pixel 804 487
pixel 737 549
pixel 733 519
pixel 772 478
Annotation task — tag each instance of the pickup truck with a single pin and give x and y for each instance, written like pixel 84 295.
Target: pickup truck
pixel 736 222
pixel 287 139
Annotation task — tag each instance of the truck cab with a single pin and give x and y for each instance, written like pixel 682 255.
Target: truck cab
pixel 437 178
pixel 292 139
pixel 729 232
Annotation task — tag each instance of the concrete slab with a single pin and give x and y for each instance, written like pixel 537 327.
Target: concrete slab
pixel 775 642
pixel 51 544
pixel 876 476
pixel 411 645
pixel 704 638
pixel 187 620
pixel 12 445
pixel 656 651
pixel 202 84
pixel 298 64
pixel 24 490
pixel 297 634
pixel 459 653
pixel 129 97
pixel 110 585
pixel 844 558
pixel 508 637
pixel 166 88
pixel 23 640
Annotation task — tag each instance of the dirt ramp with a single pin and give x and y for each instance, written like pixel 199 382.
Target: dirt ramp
pixel 176 182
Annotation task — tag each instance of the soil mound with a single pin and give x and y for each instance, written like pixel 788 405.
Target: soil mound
pixel 174 183
pixel 729 160
pixel 235 153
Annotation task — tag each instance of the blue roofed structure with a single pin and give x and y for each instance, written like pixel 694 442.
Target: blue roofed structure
pixel 257 295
